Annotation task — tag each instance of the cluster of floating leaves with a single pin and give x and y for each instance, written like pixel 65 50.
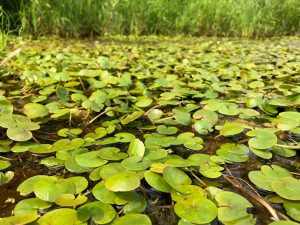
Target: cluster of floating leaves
pixel 123 119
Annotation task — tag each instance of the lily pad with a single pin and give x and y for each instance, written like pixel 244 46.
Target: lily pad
pixel 19 219
pixel 49 190
pixel 90 159
pixel 162 129
pixel 199 211
pixel 35 110
pixel 67 144
pixel 136 148
pixel 157 181
pixel 287 187
pixel 233 152
pixel 182 116
pixel 123 181
pixel 131 117
pixel 99 212
pixel 112 153
pixel 61 216
pixel 30 206
pixel 133 219
pixel 293 209
pixel 233 208
pixel 263 138
pixel 177 179
pixel 267 175
pixel 4 164
pixel 26 187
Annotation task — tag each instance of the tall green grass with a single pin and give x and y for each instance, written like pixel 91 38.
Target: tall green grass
pixel 4 28
pixel 245 18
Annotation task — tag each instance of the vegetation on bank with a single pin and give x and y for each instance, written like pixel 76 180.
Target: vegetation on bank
pixel 244 18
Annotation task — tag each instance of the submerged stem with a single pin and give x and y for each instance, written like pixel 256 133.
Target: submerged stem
pixel 294 147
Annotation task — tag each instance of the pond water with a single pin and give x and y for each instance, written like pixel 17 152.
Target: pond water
pixel 169 128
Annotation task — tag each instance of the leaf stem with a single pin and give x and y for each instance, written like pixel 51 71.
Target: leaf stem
pixel 295 147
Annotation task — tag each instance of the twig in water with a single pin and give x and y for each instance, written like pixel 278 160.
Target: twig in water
pixel 198 179
pixel 10 56
pixel 258 199
pixel 297 147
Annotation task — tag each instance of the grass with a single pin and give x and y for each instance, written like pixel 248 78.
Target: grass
pixel 243 18
pixel 4 23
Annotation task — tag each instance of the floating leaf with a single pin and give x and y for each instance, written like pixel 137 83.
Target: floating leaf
pixel 49 190
pixel 133 219
pixel 263 138
pixel 132 117
pixel 287 187
pixel 90 159
pixel 62 93
pixel 60 216
pixel 177 179
pixel 232 128
pixel 136 148
pixel 123 181
pixel 157 181
pixel 35 110
pixel 99 212
pixel 19 219
pixel 143 102
pixel 30 206
pixel 4 164
pixel 162 129
pixel 182 115
pixel 233 152
pixel 26 187
pixel 233 208
pixel 199 211
pixel 6 177
pixel 267 175
pixel 67 144
pixel 154 114
pixel 112 153
pixel 293 209
pixel 69 200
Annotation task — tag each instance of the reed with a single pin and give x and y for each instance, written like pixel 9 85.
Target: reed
pixel 243 18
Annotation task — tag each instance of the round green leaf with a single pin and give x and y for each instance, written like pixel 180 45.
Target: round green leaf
pixel 67 144
pixel 157 181
pixel 4 164
pixel 232 206
pixel 177 179
pixel 133 219
pixel 267 175
pixel 90 159
pixel 123 181
pixel 35 110
pixel 19 219
pixel 50 190
pixel 293 209
pixel 99 212
pixel 112 153
pixel 182 116
pixel 263 138
pixel 131 117
pixel 136 148
pixel 61 216
pixel 30 206
pixel 287 187
pixel 26 187
pixel 69 200
pixel 199 211
pixel 18 134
